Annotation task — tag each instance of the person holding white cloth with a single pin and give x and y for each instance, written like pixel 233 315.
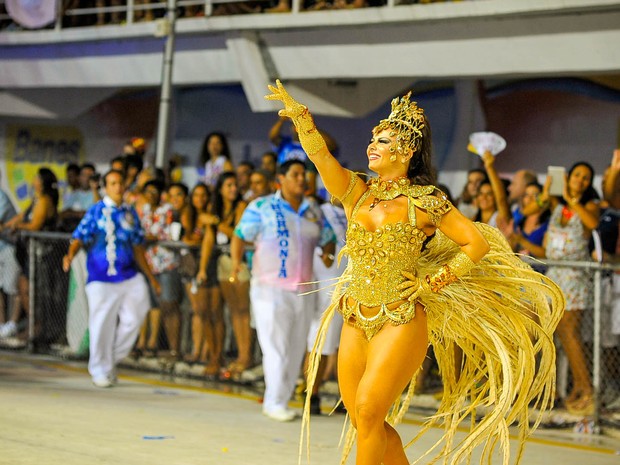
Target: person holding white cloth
pixel 285 228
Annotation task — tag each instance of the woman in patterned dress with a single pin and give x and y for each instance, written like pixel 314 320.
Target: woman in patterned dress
pixel 573 217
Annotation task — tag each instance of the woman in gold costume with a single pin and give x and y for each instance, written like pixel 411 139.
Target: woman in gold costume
pixel 420 272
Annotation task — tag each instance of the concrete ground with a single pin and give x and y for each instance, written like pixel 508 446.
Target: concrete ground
pixel 50 413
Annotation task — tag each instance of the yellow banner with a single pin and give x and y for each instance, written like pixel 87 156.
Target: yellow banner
pixel 29 148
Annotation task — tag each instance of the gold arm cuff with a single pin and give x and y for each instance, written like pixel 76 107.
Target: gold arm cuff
pixel 352 181
pixel 457 267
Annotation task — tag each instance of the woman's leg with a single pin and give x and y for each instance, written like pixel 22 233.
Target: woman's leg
pixel 569 333
pixel 351 365
pixel 198 302
pixel 172 324
pixel 237 296
pixel 23 287
pixel 393 356
pixel 217 329
pixel 154 320
pixel 141 343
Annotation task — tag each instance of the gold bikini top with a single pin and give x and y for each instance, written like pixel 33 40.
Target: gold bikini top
pixel 376 258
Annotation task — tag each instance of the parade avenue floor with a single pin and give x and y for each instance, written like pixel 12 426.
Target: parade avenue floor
pixel 52 414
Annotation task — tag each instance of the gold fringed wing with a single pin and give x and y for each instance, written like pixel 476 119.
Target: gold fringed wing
pixel 502 315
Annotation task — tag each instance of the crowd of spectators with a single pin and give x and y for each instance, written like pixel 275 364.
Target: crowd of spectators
pixel 204 218
pixel 114 11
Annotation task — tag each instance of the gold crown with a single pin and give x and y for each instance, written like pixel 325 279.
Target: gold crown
pixel 407 119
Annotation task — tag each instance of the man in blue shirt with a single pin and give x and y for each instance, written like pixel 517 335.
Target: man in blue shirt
pixel 118 296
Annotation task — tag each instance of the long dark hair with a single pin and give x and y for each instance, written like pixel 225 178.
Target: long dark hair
pixel 49 184
pixel 218 200
pixel 193 213
pixel 590 193
pixel 421 170
pixel 204 154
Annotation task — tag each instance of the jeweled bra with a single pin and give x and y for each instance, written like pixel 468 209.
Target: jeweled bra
pixel 377 259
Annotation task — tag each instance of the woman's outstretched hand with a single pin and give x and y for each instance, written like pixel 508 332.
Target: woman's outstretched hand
pixel 309 136
pixel 292 108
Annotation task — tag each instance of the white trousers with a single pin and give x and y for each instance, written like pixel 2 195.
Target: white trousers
pixel 282 323
pixel 117 311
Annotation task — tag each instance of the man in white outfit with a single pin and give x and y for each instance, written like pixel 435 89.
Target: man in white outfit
pixel 285 228
pixel 118 297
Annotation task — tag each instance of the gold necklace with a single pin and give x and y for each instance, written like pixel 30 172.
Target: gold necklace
pixel 387 190
pixel 375 202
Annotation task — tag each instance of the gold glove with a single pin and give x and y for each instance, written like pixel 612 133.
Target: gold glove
pixel 412 287
pixel 460 265
pixel 309 136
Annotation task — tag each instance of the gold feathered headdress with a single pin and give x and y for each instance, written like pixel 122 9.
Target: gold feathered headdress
pixel 407 121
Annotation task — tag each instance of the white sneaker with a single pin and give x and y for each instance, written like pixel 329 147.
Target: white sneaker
pixel 102 382
pixel 8 329
pixel 280 414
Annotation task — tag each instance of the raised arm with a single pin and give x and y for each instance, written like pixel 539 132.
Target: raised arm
pixel 611 187
pixel 275 136
pixel 543 201
pixel 335 177
pixel 503 208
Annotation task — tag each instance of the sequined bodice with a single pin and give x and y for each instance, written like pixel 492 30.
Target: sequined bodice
pixel 377 258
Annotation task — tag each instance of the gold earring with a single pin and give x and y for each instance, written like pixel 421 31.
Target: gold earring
pixel 393 158
pixel 403 160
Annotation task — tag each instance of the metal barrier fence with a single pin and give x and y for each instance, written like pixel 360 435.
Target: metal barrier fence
pixel 57 319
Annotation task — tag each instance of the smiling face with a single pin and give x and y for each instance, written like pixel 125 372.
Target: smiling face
pixel 382 146
pixel 229 190
pixel 485 198
pixel 200 198
pixel 177 198
pixel 579 180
